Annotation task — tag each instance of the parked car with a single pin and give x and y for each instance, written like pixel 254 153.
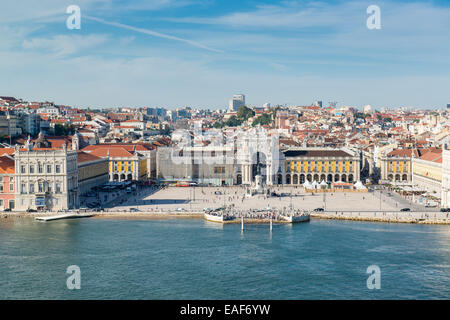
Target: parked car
pixel 7 209
pixel 135 210
pixel 431 204
pixel 31 210
pixel 217 193
pixel 318 209
pixel 405 209
pixel 181 209
pixel 445 209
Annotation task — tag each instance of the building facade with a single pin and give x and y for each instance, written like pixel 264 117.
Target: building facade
pixel 126 162
pixel 427 172
pixel 396 165
pixel 7 183
pixel 236 102
pixel 319 164
pixel 203 165
pixel 445 192
pixel 92 172
pixel 256 153
pixel 46 179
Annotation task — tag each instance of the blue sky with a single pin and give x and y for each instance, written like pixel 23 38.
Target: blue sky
pixel 174 53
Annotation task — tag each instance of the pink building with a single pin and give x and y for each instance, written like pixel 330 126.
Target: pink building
pixel 7 183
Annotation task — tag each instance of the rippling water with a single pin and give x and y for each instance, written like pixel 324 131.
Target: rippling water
pixel 194 259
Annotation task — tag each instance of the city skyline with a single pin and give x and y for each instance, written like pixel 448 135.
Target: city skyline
pixel 199 53
pixel 226 107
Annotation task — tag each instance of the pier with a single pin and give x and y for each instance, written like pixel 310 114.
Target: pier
pixel 386 216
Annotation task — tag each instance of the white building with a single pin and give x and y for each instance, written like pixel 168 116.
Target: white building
pixel 445 197
pixel 48 110
pixel 237 102
pixel 46 179
pixel 367 109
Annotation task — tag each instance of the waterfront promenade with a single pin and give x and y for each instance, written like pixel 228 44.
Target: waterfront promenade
pixel 198 198
pixel 184 202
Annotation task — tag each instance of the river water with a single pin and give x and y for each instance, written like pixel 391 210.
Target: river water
pixel 195 259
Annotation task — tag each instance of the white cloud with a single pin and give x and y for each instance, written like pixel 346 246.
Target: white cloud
pixel 62 45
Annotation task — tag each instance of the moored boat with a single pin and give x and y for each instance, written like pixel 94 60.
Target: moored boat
pixel 296 218
pixel 217 218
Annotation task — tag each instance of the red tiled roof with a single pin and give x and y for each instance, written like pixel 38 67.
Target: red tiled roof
pixel 6 165
pixel 432 155
pixel 113 152
pixel 86 157
pixel 9 151
pixel 402 153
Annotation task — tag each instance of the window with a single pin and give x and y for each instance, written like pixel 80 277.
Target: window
pixel 49 168
pixel 40 169
pixel 57 168
pixel 219 169
pixel 1 187
pixel 22 169
pixel 23 188
pixel 11 187
pixel 58 188
pixel 1 202
pixel 41 187
pixel 31 188
pixel 31 168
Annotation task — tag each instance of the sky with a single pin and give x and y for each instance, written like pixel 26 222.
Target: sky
pixel 199 53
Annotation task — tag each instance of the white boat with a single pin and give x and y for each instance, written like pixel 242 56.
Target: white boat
pixel 295 219
pixel 217 218
pixel 65 216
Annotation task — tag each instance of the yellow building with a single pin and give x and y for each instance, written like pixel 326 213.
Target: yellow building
pixel 396 165
pixel 92 172
pixel 127 162
pixel 319 164
pixel 427 172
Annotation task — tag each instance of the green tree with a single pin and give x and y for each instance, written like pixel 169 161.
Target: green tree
pixel 264 119
pixel 245 113
pixel 233 122
pixel 64 130
pixel 218 125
